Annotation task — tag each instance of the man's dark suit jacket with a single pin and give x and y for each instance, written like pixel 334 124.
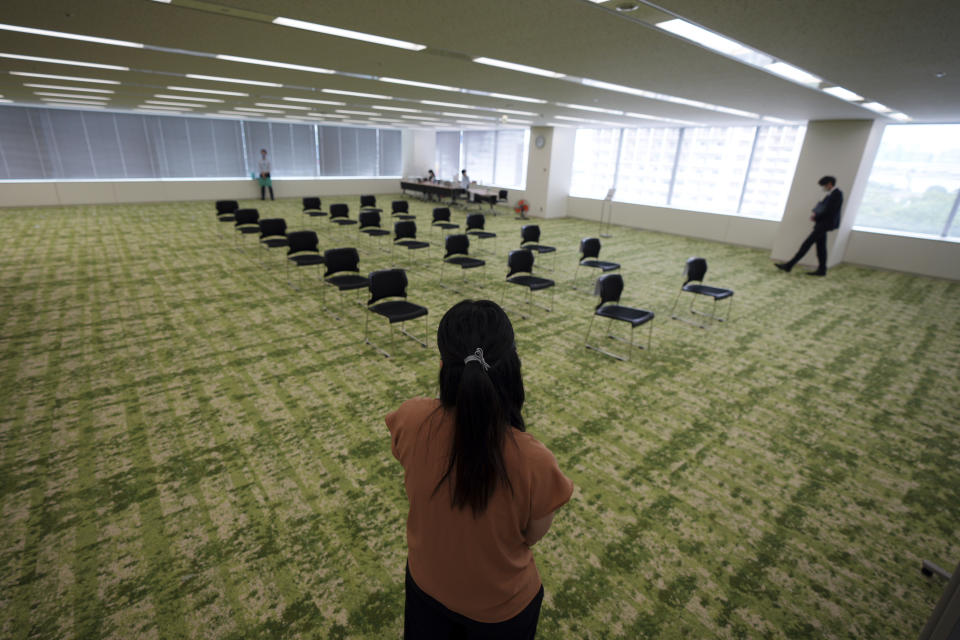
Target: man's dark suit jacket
pixel 827 211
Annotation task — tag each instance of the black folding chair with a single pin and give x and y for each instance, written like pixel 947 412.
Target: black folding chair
pixel 441 220
pixel 405 235
pixel 343 271
pixel 502 196
pixel 302 251
pixel 476 223
pixel 340 214
pixel 520 273
pixel 273 234
pixel 400 209
pixel 695 269
pixel 311 207
pixel 388 298
pixel 458 249
pixel 369 203
pixel 369 224
pixel 609 287
pixel 245 222
pixel 589 257
pixel 225 211
pixel 530 239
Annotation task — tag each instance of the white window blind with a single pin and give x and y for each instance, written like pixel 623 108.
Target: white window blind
pixel 448 155
pixel 646 165
pixel 478 151
pixel 774 161
pixel 511 158
pixel 594 162
pixel 712 167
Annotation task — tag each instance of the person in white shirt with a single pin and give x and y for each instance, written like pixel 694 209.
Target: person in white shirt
pixel 264 167
pixel 464 179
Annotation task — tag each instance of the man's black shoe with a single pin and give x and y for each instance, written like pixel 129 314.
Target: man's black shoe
pixel 782 266
pixel 816 273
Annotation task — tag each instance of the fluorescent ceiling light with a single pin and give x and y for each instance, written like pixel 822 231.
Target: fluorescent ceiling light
pixel 715 41
pixel 281 106
pixel 385 108
pixel 448 104
pixel 507 96
pixel 333 115
pixel 420 118
pixel 513 66
pixel 358 113
pixel 177 104
pixel 70 36
pixel 163 1
pixel 80 96
pixel 776 120
pixel 465 115
pixel 347 33
pixel 737 112
pixel 876 106
pixel 587 108
pixel 902 117
pixel 609 86
pixel 572 119
pixel 512 121
pixel 641 116
pixel 257 110
pixel 471 122
pixel 213 91
pixel 518 113
pixel 843 94
pixel 161 108
pixel 358 94
pixel 55 77
pixel 238 113
pixel 72 101
pixel 258 83
pixel 6 101
pixel 75 63
pixel 791 72
pixel 270 63
pixel 332 102
pixel 645 116
pixel 66 88
pixel 424 85
pixel 170 96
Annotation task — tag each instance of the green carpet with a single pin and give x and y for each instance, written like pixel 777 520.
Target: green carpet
pixel 189 447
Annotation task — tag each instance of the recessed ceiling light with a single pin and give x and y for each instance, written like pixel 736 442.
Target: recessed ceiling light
pixel 644 116
pixel 386 108
pixel 843 94
pixel 162 108
pixel 270 63
pixel 588 108
pixel 75 63
pixel 170 96
pixel 424 85
pixel 257 110
pixel 876 106
pixel 213 91
pixel 177 104
pixel 791 72
pixel 237 113
pixel 4 101
pixel 776 120
pixel 358 94
pixel 60 86
pixel 902 117
pixel 258 83
pixel 572 119
pixel 49 76
pixel 308 100
pixel 507 96
pixel 448 104
pixel 420 118
pixel 518 113
pixel 81 96
pixel 347 33
pixel 70 36
pixel 281 106
pixel 71 101
pixel 627 7
pixel 334 115
pixel 715 41
pixel 512 121
pixel 358 113
pixel 513 66
pixel 466 115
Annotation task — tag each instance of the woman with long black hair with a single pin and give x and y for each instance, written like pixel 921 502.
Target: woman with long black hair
pixel 482 491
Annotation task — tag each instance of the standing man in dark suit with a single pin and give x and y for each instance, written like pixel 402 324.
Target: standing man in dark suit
pixel 826 217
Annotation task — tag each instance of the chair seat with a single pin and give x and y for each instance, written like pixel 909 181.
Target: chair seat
pixel 275 242
pixel 348 282
pixel 412 244
pixel 375 232
pixel 248 229
pixel 446 225
pixel 483 235
pixel 404 216
pixel 465 262
pixel 600 264
pixel 714 292
pixel 370 209
pixel 532 282
pixel 635 317
pixel 399 310
pixel 343 221
pixel 539 248
pixel 315 213
pixel 225 217
pixel 305 259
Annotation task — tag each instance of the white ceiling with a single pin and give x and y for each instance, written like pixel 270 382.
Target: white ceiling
pixel 886 50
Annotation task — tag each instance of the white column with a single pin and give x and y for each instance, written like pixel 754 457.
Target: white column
pixel 549 169
pixel 844 149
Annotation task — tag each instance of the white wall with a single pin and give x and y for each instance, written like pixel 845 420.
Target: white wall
pixel 548 172
pixel 421 154
pixel 923 256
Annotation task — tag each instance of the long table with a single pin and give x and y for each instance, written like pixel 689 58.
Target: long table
pixel 432 189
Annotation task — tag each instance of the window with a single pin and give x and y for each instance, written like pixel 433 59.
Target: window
pixel 478 155
pixel 495 158
pixel 448 154
pixel 52 144
pixel 511 157
pixel 914 186
pixel 745 170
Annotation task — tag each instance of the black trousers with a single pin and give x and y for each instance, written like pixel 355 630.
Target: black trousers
pixel 817 237
pixel 271 190
pixel 426 619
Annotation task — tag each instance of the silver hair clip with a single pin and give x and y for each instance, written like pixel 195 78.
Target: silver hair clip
pixel 477 356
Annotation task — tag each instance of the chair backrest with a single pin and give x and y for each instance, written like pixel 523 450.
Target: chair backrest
pixel 457 244
pixel 245 216
pixel 609 288
pixel 400 206
pixel 695 269
pixel 343 259
pixel 502 195
pixel 519 261
pixel 368 201
pixel 311 203
pixel 339 210
pixel 303 241
pixel 405 229
pixel 227 206
pixel 441 214
pixel 369 219
pixel 476 221
pixel 387 283
pixel 589 248
pixel 273 227
pixel 530 233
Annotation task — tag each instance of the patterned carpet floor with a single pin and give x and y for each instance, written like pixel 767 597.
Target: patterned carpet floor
pixel 192 448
